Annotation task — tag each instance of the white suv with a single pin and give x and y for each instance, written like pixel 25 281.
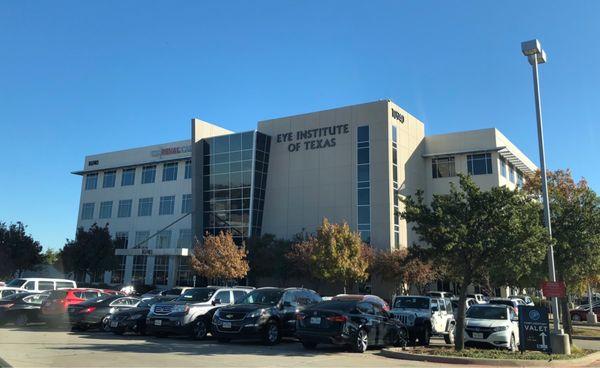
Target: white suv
pixel 493 326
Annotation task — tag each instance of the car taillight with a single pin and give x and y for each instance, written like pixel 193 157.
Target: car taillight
pixel 300 316
pixel 88 310
pixel 337 318
pixel 7 305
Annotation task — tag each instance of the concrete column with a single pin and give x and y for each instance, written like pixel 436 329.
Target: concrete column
pixel 560 343
pixel 172 275
pixel 128 269
pixel 149 270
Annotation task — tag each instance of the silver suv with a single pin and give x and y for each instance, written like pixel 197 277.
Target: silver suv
pixel 425 316
pixel 191 313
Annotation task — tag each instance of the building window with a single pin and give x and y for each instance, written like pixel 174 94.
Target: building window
pixel 121 239
pixel 363 184
pixel 511 173
pixel 108 180
pixel 105 210
pixel 138 274
pixel 161 270
pixel 128 177
pixel 166 205
pixel 443 167
pixel 169 171
pixel 188 169
pixel 163 239
pixel 145 207
pixel 503 167
pixel 87 211
pixel 141 239
pixel 185 277
pixel 186 203
pixel 479 164
pixel 124 208
pixel 148 174
pixel 118 274
pixel 91 181
pixel 395 187
pixel 519 179
pixel 185 238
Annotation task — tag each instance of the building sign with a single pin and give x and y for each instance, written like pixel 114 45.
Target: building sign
pixel 171 151
pixel 311 139
pixel 398 116
pixel 534 329
pixel 554 289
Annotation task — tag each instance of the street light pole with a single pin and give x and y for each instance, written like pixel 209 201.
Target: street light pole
pixel 536 55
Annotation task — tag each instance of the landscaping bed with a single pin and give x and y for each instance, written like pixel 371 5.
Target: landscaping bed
pixel 498 354
pixel 582 331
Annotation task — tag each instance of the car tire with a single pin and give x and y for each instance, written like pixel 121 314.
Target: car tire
pixel 402 338
pixel 425 337
pixel 199 330
pixel 272 333
pixel 21 320
pixel 309 345
pixel 223 340
pixel 449 338
pixel 105 325
pixel 576 318
pixel 361 341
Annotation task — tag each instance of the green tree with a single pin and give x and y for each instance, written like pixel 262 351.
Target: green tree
pixel 18 250
pixel 575 220
pixel 90 253
pixel 266 258
pixel 474 234
pixel 218 257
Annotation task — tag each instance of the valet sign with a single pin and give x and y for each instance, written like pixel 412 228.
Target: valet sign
pixel 534 329
pixel 311 139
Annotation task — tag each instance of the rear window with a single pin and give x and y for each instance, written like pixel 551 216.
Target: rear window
pixel 336 305
pixel 503 302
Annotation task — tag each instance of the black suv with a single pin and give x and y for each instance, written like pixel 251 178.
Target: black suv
pixel 265 313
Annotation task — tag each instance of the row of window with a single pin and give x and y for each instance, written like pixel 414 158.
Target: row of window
pixel 148 174
pixel 513 174
pixel 363 183
pixel 124 207
pixel 161 240
pixel 477 164
pixel 183 272
pixel 396 187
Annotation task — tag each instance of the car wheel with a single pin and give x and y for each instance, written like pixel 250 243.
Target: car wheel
pixel 513 343
pixel 106 324
pixel 449 338
pixel 401 338
pixel 223 340
pixel 576 318
pixel 199 331
pixel 361 342
pixel 271 336
pixel 21 320
pixel 425 337
pixel 309 345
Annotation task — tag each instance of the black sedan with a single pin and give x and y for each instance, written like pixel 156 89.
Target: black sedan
pixel 350 323
pixel 21 308
pixel 134 319
pixel 96 312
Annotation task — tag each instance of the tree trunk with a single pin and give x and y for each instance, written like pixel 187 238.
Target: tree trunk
pixel 566 318
pixel 459 341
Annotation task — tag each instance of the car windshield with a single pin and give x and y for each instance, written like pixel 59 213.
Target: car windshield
pixel 196 295
pixel 411 302
pixel 16 283
pixel 265 296
pixel 486 313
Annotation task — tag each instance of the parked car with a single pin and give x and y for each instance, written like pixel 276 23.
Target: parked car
pixel 370 298
pixel 492 325
pixel 356 324
pixel 515 303
pixel 39 284
pixel 96 312
pixel 580 314
pixel 176 291
pixel 265 313
pixel 191 313
pixel 425 316
pixel 526 299
pixel 21 308
pixel 455 301
pixel 440 294
pixel 134 319
pixel 6 291
pixel 54 308
pixel 479 298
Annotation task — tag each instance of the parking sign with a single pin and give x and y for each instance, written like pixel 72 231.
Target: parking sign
pixel 534 329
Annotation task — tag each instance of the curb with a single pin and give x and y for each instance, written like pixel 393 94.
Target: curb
pixel 593 338
pixel 4 364
pixel 389 353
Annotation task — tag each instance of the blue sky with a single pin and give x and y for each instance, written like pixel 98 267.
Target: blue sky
pixel 79 78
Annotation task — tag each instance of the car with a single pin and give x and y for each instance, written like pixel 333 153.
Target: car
pixel 525 298
pixel 21 308
pixel 371 298
pixel 266 313
pixel 479 298
pixel 191 313
pixel 134 319
pixel 515 303
pixel 455 301
pixel 492 325
pixel 39 284
pixel 353 323
pixel 54 308
pixel 95 313
pixel 580 314
pixel 425 316
pixel 440 294
pixel 176 291
pixel 6 291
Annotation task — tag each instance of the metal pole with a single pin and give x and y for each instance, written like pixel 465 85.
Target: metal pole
pixel 546 203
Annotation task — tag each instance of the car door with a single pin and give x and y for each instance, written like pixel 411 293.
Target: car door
pixel 514 322
pixel 369 321
pixel 385 327
pixel 288 310
pixel 436 314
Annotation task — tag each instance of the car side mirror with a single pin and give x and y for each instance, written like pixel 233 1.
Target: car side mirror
pixel 216 301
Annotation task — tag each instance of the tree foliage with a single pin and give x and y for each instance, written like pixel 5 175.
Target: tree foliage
pixel 479 235
pixel 219 258
pixel 266 258
pixel 90 253
pixel 18 250
pixel 404 268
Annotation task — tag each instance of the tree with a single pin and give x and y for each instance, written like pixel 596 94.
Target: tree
pixel 475 233
pixel 90 253
pixel 266 258
pixel 18 250
pixel 50 256
pixel 335 253
pixel 219 258
pixel 405 268
pixel 575 220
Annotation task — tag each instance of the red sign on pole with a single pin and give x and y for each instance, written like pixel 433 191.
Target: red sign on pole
pixel 554 289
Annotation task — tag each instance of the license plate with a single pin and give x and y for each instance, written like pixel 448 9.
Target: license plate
pixel 477 335
pixel 114 324
pixel 315 320
pixel 226 324
pixel 157 322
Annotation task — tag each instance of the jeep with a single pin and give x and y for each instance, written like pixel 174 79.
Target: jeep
pixel 425 316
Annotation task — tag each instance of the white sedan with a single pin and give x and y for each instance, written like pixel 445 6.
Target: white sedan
pixel 489 325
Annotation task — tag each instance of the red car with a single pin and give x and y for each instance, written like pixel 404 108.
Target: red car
pixel 54 309
pixel 581 314
pixel 368 298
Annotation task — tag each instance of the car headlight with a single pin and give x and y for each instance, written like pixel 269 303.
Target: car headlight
pixel 135 316
pixel 411 318
pixel 500 328
pixel 256 313
pixel 180 308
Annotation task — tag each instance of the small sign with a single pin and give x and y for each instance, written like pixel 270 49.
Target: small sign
pixel 534 329
pixel 554 289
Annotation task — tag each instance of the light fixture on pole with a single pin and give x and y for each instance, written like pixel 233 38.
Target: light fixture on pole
pixel 536 55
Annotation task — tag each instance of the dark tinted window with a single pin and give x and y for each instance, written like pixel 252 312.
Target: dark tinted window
pixel 57 294
pixel 366 308
pixel 224 296
pixel 502 302
pixel 486 312
pixel 411 302
pixel 90 295
pixel 45 285
pixel 335 305
pixel 264 296
pixel 238 295
pixel 196 295
pixel 16 283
